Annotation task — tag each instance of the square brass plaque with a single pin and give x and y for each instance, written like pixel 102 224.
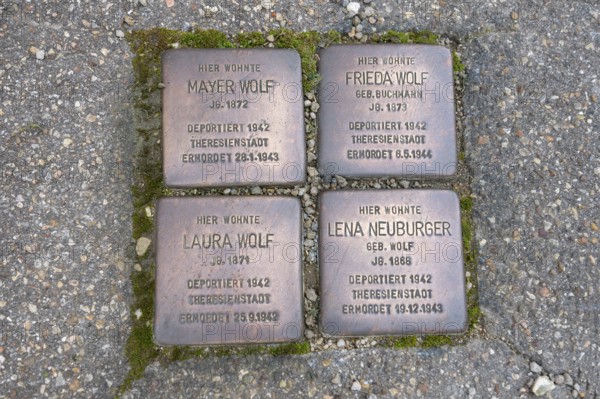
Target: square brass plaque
pixel 232 117
pixel 228 271
pixel 386 110
pixel 391 263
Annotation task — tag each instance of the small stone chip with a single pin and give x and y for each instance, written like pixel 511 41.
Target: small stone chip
pixel 542 386
pixel 142 246
pixel 559 380
pixel 535 368
pixel 337 380
pixel 60 380
pixel 353 8
pixel 311 295
pixel 128 19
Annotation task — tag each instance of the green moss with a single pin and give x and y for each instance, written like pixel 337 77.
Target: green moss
pixel 405 342
pixel 141 224
pixel 457 64
pixel 250 39
pixel 252 350
pixel 332 37
pixel 223 351
pixel 149 185
pixel 209 38
pixel 470 258
pixel 434 341
pixel 294 348
pixel 148 45
pixel 305 43
pixel 417 37
pixel 392 37
pixel 466 206
pixel 175 353
pixel 140 348
pixel 474 315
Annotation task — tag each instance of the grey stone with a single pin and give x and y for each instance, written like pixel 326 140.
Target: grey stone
pixel 568 379
pixel 142 245
pixel 542 386
pixel 559 380
pixel 353 8
pixel 337 380
pixel 535 368
pixel 311 295
pixel 60 381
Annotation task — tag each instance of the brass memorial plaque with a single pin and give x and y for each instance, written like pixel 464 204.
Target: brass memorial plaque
pixel 386 110
pixel 232 117
pixel 228 270
pixel 391 263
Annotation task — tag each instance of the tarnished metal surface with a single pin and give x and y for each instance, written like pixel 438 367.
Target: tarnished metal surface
pixel 228 271
pixel 386 110
pixel 391 263
pixel 232 117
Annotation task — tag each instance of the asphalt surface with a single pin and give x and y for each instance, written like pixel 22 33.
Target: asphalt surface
pixel 531 132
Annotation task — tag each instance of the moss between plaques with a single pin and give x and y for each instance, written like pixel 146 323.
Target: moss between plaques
pixel 419 37
pixel 434 341
pixel 148 186
pixel 405 342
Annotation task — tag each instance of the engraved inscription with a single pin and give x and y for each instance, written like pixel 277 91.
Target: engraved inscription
pixel 227 123
pixel 391 263
pixel 386 110
pixel 228 274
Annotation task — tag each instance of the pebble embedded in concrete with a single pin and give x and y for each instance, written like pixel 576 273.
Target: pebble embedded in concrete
pixel 353 8
pixel 542 386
